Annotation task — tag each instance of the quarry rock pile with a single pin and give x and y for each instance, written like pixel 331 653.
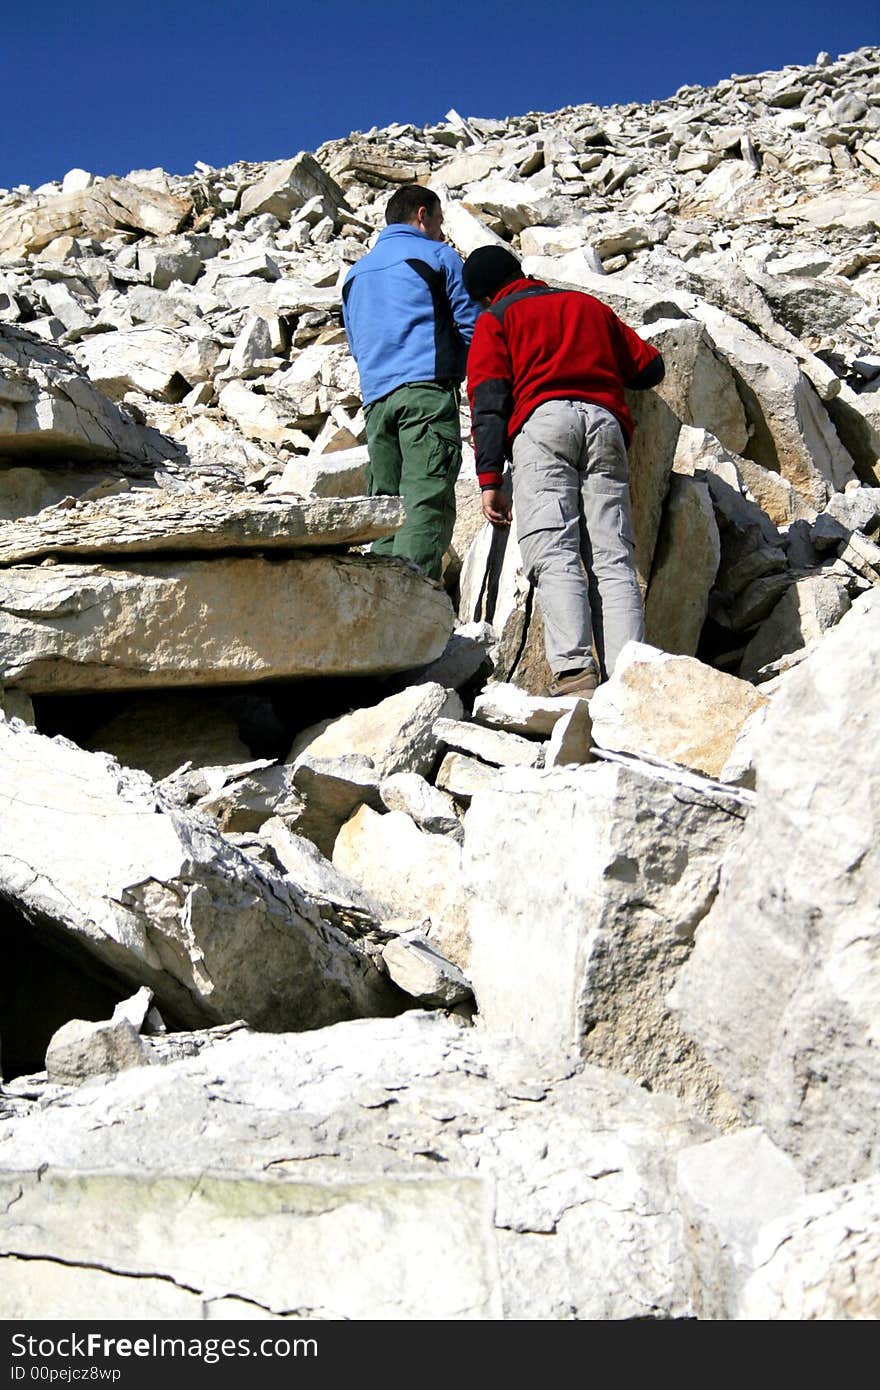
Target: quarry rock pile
pixel 377 982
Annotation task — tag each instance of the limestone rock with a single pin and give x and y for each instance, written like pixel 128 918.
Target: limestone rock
pixel 571 741
pixel 807 609
pixel 469 519
pixel 158 520
pixel 462 776
pixel 470 165
pixel 302 387
pixel 14 704
pixel 338 898
pixel 254 347
pixel 149 308
pixel 421 971
pixel 811 308
pixel 397 735
pixel 81 1050
pixel 739 770
pixel 792 433
pixel 855 212
pixel 511 206
pixel 96 210
pixel 730 1189
pixel 249 796
pixel 493 589
pixel 49 407
pixel 504 706
pixel 26 490
pixel 528 664
pixel 493 746
pixel 752 550
pixel 576 271
pixel 161 899
pixel 775 495
pixel 268 418
pixel 275 1225
pixel 558 241
pixel 76 180
pixel 590 882
pixel 340 474
pixel 733 225
pixel 428 806
pixel 154 360
pixel 651 457
pixel 781 989
pixel 818 1262
pixel 331 790
pixel 858 510
pixel 465 657
pixel 755 601
pixel 291 184
pixel 137 1010
pixel 671 707
pixel 699 385
pixel 163 265
pixel 257 263
pixel 122 202
pixel 685 566
pixel 69 310
pixel 412 874
pixel 859 430
pixel 263 1261
pixel 199 622
pixel 466 230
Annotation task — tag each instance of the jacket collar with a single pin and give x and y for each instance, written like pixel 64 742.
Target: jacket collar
pixel 517 286
pixel 405 227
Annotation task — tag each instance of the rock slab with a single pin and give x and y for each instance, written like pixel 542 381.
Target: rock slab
pixel 781 990
pixel 209 622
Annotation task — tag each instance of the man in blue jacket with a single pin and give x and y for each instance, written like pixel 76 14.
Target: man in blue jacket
pixel 409 321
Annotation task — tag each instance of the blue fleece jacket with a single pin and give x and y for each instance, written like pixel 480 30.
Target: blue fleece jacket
pixel 407 313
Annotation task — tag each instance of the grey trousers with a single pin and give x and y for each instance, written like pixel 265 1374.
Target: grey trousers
pixel 574 527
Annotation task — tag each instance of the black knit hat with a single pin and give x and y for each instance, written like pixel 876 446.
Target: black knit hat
pixel 487 269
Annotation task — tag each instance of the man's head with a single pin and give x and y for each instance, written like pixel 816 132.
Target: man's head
pixel 418 207
pixel 488 269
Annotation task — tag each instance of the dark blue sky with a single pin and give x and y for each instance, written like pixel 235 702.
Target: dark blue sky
pixel 111 87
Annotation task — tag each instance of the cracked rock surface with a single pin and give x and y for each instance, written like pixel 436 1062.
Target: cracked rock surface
pixel 288 1148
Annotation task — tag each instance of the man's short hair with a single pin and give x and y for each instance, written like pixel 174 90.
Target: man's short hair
pixel 403 206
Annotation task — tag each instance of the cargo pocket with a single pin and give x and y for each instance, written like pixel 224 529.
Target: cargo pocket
pixel 442 450
pixel 538 533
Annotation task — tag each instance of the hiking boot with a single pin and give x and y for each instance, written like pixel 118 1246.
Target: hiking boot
pixel 582 684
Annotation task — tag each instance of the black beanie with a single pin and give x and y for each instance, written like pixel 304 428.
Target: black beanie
pixel 487 269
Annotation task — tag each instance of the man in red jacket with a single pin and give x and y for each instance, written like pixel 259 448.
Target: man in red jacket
pixel 546 375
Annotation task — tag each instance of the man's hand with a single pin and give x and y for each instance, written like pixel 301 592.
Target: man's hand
pixel 495 507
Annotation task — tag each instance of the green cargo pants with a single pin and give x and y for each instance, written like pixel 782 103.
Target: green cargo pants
pixel 414 440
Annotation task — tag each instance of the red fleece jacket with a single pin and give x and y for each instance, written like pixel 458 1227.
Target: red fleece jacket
pixel 536 344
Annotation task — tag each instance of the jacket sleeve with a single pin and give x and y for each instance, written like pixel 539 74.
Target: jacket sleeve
pixel 490 392
pixel 347 287
pixel 464 309
pixel 651 375
pixel 639 363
